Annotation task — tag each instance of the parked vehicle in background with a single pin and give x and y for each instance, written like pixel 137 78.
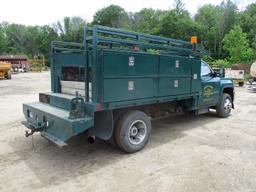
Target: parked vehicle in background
pixel 20 70
pixel 252 80
pixel 111 86
pixel 17 61
pixel 236 75
pixel 5 70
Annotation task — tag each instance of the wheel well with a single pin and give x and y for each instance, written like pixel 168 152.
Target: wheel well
pixel 230 91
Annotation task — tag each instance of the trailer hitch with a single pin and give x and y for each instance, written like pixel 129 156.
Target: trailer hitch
pixel 32 131
pixel 32 128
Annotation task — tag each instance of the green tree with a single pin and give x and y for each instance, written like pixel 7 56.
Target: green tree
pixel 146 20
pixel 71 29
pixel 253 44
pixel 215 22
pixel 29 40
pixel 179 7
pixel 31 45
pixel 3 40
pixel 111 16
pixel 207 18
pixel 16 37
pixel 236 44
pixel 177 23
pixel 45 36
pixel 227 21
pixel 247 20
pixel 211 23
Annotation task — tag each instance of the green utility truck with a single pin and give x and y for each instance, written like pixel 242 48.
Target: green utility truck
pixel 116 81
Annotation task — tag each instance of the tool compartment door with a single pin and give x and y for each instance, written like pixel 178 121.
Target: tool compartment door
pixel 129 76
pixel 175 75
pixel 196 76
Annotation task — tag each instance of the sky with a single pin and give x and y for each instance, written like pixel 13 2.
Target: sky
pixel 43 12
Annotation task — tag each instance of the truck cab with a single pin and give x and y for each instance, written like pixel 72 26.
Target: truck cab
pixel 214 87
pixel 113 84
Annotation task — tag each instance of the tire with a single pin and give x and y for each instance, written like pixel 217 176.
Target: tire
pixel 112 142
pixel 132 131
pixel 9 75
pixel 223 109
pixel 241 84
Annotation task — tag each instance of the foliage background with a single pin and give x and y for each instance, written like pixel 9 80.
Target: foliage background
pixel 229 34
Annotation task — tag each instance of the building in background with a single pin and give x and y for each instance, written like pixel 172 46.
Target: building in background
pixel 17 61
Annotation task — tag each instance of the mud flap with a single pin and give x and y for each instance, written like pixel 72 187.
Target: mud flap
pixel 103 125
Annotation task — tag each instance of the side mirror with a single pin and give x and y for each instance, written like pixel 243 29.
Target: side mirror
pixel 222 72
pixel 214 74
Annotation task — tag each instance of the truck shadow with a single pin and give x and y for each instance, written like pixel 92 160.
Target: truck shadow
pixel 53 166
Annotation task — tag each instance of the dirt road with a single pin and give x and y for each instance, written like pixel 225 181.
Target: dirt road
pixel 185 153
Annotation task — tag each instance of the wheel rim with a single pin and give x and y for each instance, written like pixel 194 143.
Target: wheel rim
pixel 137 132
pixel 227 105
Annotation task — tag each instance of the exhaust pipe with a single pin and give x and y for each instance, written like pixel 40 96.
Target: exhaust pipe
pixel 91 139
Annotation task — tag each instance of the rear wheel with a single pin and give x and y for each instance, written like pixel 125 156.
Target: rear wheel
pixel 132 131
pixel 112 142
pixel 223 109
pixel 241 84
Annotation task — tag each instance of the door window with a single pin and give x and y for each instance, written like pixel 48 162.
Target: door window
pixel 205 69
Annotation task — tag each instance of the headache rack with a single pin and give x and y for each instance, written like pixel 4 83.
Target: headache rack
pixel 119 39
pixel 100 37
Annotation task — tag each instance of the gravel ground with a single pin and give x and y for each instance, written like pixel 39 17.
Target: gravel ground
pixel 185 153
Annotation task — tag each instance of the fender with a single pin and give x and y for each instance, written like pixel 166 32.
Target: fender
pixel 227 86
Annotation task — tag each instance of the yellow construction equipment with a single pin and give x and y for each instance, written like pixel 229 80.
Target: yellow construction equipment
pixel 5 70
pixel 37 64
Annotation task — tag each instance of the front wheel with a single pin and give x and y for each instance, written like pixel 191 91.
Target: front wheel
pixel 223 109
pixel 132 131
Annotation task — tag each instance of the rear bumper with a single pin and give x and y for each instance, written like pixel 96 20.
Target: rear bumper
pixel 54 123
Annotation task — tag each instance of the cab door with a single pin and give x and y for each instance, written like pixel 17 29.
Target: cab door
pixel 209 95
